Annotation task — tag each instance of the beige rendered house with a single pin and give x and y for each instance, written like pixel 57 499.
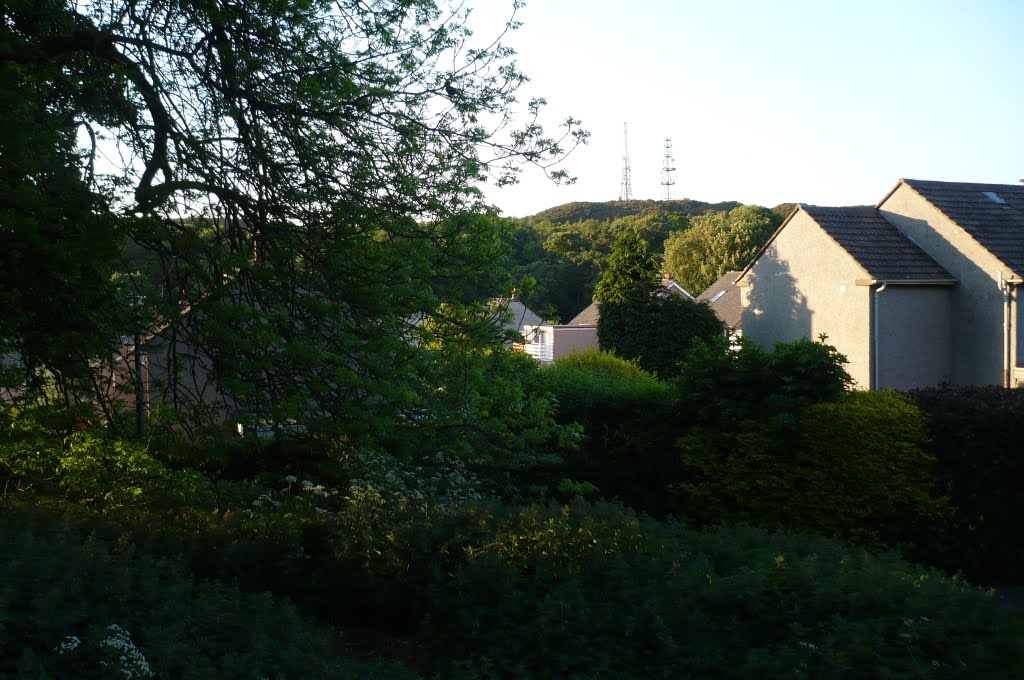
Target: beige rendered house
pixel 919 290
pixel 548 342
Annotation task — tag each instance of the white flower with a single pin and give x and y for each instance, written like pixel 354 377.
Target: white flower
pixel 291 479
pixel 70 644
pixel 130 660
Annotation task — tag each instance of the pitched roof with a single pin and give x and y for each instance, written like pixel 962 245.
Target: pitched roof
pixel 520 315
pixel 993 214
pixel 588 317
pixel 724 297
pixel 670 285
pixel 877 246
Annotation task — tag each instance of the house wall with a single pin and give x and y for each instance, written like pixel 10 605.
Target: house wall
pixel 976 303
pixel 804 284
pixel 180 376
pixel 570 339
pixel 914 348
pixel 173 374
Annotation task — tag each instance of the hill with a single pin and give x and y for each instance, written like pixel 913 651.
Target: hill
pixel 610 210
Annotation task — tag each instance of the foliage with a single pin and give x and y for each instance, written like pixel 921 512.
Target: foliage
pixel 485 408
pixel 975 437
pixel 566 259
pixel 640 321
pixel 92 610
pixel 632 274
pixel 856 468
pixel 717 242
pixel 592 590
pixel 473 587
pixel 87 465
pixel 58 242
pixel 722 383
pixel 626 419
pixel 566 248
pixel 289 188
pixel 571 213
pixel 657 332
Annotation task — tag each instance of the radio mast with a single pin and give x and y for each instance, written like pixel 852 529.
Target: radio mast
pixel 668 166
pixel 626 189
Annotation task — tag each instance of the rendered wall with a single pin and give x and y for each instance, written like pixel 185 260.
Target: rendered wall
pixel 804 285
pixel 976 303
pixel 570 339
pixel 914 348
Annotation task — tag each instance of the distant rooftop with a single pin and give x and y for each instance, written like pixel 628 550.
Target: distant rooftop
pixel 724 297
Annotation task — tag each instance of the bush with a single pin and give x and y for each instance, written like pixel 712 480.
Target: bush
pixel 976 437
pixel 625 416
pixel 719 383
pixel 597 591
pixel 84 610
pixel 88 465
pixel 657 332
pixel 855 468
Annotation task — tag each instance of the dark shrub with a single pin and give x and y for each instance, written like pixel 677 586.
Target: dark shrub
pixel 657 332
pixel 594 590
pixel 855 468
pixel 722 384
pixel 978 440
pixel 625 414
pixel 83 610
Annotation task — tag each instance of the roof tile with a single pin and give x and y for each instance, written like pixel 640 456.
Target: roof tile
pixel 881 249
pixel 724 297
pixel 993 214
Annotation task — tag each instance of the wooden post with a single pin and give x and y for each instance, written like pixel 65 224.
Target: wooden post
pixel 140 395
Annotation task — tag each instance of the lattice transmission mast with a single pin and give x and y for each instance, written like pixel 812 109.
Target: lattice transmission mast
pixel 626 189
pixel 668 167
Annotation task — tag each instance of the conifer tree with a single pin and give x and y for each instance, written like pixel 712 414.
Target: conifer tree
pixel 639 320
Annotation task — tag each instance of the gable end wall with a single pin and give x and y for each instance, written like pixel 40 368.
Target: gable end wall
pixel 976 303
pixel 804 284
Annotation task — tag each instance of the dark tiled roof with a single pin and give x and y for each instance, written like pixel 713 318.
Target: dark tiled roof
pixel 991 213
pixel 876 245
pixel 724 297
pixel 588 317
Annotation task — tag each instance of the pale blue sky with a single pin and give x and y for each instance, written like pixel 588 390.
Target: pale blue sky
pixel 824 102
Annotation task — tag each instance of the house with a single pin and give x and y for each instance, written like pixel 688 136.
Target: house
pixel 723 296
pixel 168 370
pixel 516 315
pixel 549 342
pixel 918 290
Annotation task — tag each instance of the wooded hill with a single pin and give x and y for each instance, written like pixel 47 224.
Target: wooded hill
pixel 559 253
pixel 610 210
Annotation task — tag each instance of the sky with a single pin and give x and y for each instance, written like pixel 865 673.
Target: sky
pixel 772 101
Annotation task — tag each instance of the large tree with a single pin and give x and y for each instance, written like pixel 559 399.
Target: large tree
pixel 283 178
pixel 717 242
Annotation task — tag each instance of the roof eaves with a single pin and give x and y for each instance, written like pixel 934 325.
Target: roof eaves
pixel 757 256
pixel 949 217
pixel 907 282
pixel 892 191
pixel 838 244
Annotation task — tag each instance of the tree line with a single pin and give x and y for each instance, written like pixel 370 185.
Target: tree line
pixel 562 252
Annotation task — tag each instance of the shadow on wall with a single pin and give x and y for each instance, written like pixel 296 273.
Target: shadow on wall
pixel 976 306
pixel 775 309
